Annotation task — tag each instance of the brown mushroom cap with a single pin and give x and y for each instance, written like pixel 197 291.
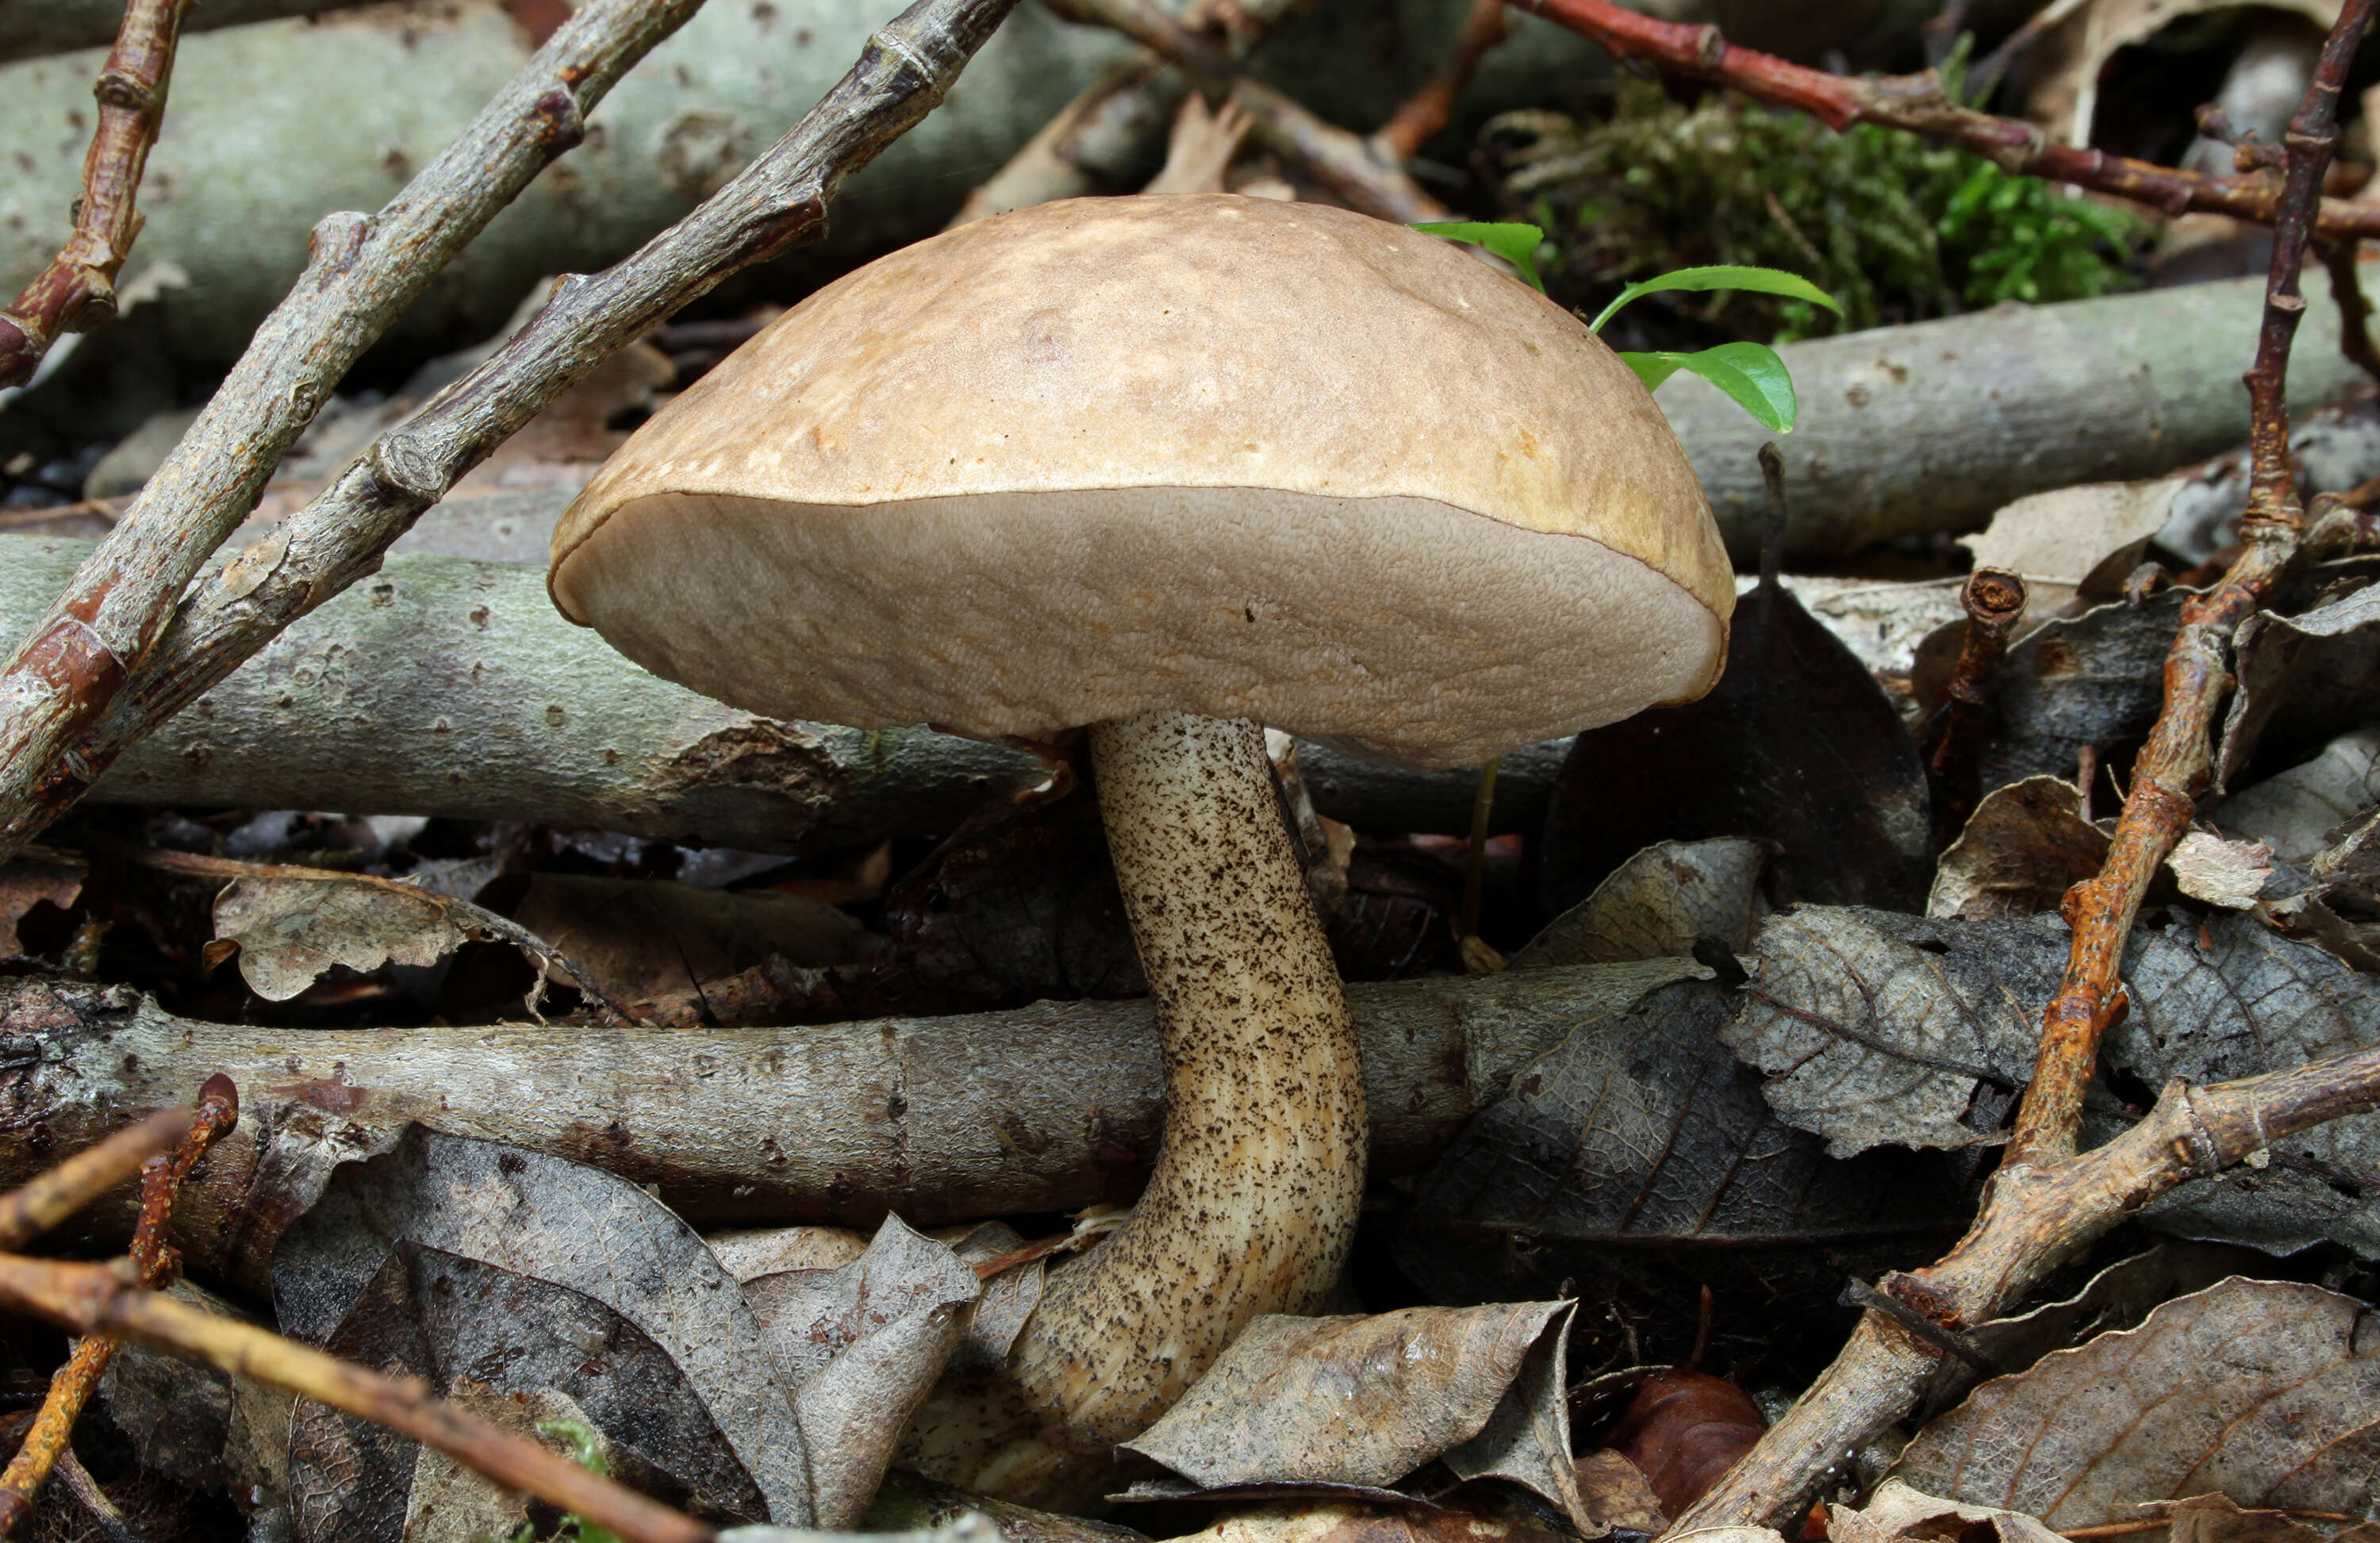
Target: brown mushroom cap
pixel 1203 454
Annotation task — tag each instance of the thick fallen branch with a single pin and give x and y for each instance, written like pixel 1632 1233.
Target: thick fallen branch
pixel 1918 104
pixel 77 291
pixel 1047 1107
pixel 2046 1203
pixel 74 662
pixel 777 202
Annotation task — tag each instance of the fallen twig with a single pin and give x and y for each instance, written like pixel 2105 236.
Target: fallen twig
pixel 101 1300
pixel 1420 117
pixel 77 291
pixel 1994 601
pixel 2046 1202
pixel 155 1264
pixel 77 661
pixel 1345 163
pixel 1918 104
pixel 49 1198
pixel 775 203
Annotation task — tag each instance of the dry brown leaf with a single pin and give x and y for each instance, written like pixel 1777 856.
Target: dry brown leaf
pixel 1365 1401
pixel 2294 811
pixel 2214 1519
pixel 2024 846
pixel 1658 904
pixel 2080 540
pixel 2227 873
pixel 1339 1522
pixel 2267 1391
pixel 34 876
pixel 1617 1494
pixel 1684 1429
pixel 291 927
pixel 1883 623
pixel 1202 148
pixel 1897 1514
pixel 645 937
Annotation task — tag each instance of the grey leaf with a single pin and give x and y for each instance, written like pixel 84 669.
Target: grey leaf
pixel 1657 904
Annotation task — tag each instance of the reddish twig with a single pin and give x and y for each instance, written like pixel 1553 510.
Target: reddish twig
pixel 2046 1203
pixel 77 291
pixel 155 1264
pixel 42 1204
pixel 776 203
pixel 1994 601
pixel 362 272
pixel 1421 116
pixel 2338 259
pixel 1918 104
pixel 101 1300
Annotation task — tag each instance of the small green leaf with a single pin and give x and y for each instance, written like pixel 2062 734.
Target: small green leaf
pixel 1760 281
pixel 1516 244
pixel 1749 373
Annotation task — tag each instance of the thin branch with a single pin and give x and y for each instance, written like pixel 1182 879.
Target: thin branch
pixel 1422 115
pixel 43 1202
pixel 774 204
pixel 1994 601
pixel 1344 162
pixel 361 274
pixel 2046 1203
pixel 1918 104
pixel 156 1264
pixel 100 1300
pixel 77 291
pixel 2355 345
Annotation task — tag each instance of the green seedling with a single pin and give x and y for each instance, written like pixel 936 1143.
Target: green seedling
pixel 1751 373
pixel 588 1455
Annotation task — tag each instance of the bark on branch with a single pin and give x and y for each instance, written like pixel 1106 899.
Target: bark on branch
pixel 1047 1107
pixel 77 661
pixel 1918 104
pixel 77 291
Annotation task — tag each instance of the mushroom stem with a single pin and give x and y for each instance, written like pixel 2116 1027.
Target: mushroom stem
pixel 1253 1204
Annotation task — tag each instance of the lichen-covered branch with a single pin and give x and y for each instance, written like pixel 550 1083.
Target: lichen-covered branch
pixel 78 659
pixel 775 203
pixel 1919 105
pixel 77 291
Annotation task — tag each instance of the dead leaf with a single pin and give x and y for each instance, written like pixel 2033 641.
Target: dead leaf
pixel 2267 1391
pixel 648 937
pixel 1897 1514
pixel 2294 811
pixel 2214 1519
pixel 911 1502
pixel 2074 541
pixel 2094 680
pixel 1877 1028
pixel 1617 1494
pixel 2227 873
pixel 462 1261
pixel 292 926
pixel 196 1424
pixel 862 1346
pixel 1882 623
pixel 1639 1155
pixel 2024 846
pixel 1797 744
pixel 1658 904
pixel 2117 1298
pixel 1685 1430
pixel 2316 666
pixel 749 1253
pixel 1202 147
pixel 1344 1522
pixel 1365 1401
pixel 36 876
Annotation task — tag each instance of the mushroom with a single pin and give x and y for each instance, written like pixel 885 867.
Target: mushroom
pixel 1170 468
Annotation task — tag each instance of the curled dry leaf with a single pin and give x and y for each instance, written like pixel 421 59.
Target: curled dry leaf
pixel 2214 1519
pixel 1897 1514
pixel 1883 623
pixel 1658 905
pixel 2267 1391
pixel 1797 744
pixel 2227 873
pixel 2117 1298
pixel 1365 1401
pixel 502 1275
pixel 2294 811
pixel 1344 1521
pixel 2024 846
pixel 2091 680
pixel 861 1346
pixel 1683 1429
pixel 2317 667
pixel 911 1503
pixel 291 927
pixel 1639 1152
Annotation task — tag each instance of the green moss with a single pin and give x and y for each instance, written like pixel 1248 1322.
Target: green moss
pixel 1898 228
